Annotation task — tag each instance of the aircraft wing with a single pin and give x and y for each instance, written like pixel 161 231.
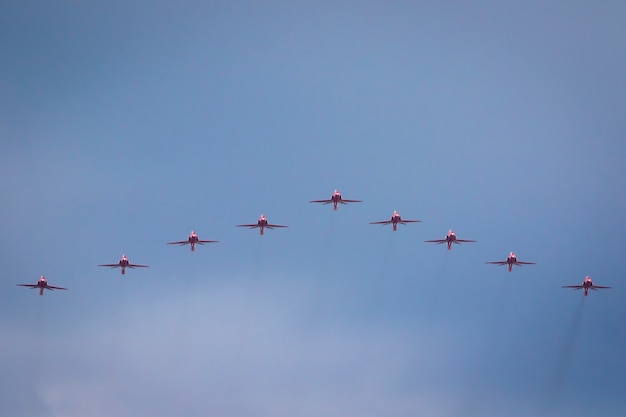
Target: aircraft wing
pixel 321 201
pixel 344 201
pixel 182 242
pixel 248 225
pixel 526 263
pixel 599 286
pixel 137 266
pixel 436 241
pixel 464 240
pixel 111 265
pixel 382 222
pixel 576 287
pixel 274 225
pixel 497 262
pixel 51 287
pixel 207 241
pixel 28 285
pixel 410 221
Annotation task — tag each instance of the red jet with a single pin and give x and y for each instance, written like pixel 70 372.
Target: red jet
pixel 262 223
pixel 192 240
pixel 42 284
pixel 335 199
pixel 394 220
pixel 586 285
pixel 450 239
pixel 510 261
pixel 124 263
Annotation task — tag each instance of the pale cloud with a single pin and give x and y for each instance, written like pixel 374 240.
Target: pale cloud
pixel 257 345
pixel 237 350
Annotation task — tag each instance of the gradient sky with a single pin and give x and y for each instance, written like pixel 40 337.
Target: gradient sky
pixel 125 126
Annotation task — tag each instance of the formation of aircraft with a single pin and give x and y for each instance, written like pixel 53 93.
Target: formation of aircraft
pixel 336 198
pixel 42 284
pixel 262 224
pixel 586 285
pixel 510 261
pixel 395 220
pixel 192 240
pixel 450 239
pixel 124 263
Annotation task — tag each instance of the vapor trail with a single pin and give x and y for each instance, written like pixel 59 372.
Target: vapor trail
pixel 383 273
pixel 565 356
pixel 443 265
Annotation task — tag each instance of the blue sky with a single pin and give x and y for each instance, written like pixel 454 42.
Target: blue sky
pixel 125 126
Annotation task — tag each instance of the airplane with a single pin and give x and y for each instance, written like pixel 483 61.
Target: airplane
pixel 510 261
pixel 42 284
pixel 394 220
pixel 262 223
pixel 586 285
pixel 192 240
pixel 335 199
pixel 450 239
pixel 124 263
